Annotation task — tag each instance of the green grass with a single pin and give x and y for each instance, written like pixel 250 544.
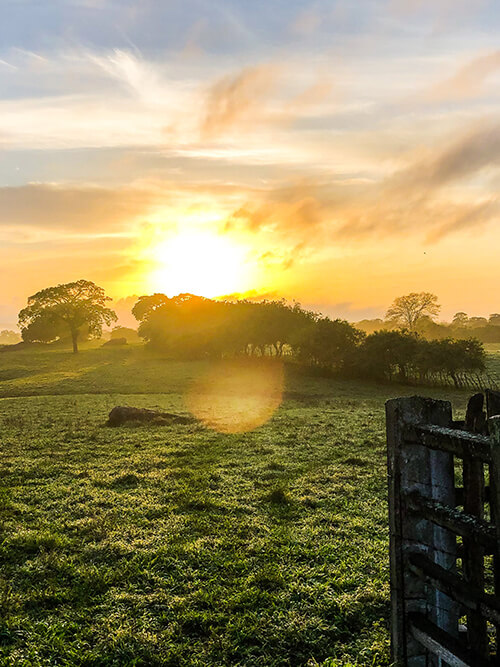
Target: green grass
pixel 178 545
pixel 493 361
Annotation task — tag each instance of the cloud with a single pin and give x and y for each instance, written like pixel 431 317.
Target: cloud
pixel 284 258
pixel 73 209
pixel 138 76
pixel 468 82
pixel 472 152
pixel 301 213
pixel 238 97
pixel 465 217
pixel 423 198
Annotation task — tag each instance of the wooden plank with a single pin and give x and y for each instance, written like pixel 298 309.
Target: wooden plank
pixel 475 417
pixel 431 474
pixel 459 443
pixel 494 429
pixel 492 403
pixel 459 495
pixel 458 522
pixel 473 554
pixel 449 649
pixel 394 427
pixel 471 598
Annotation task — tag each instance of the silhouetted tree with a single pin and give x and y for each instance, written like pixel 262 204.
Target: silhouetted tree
pixel 460 319
pixel 70 306
pixel 370 326
pixel 407 310
pixel 328 343
pixel 44 330
pixel 8 337
pixel 147 304
pixel 386 355
pixel 477 322
pixel 451 358
pixel 190 326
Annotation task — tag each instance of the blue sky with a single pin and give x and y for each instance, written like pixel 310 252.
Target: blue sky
pixel 351 149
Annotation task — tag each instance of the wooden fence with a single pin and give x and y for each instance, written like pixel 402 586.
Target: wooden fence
pixel 444 512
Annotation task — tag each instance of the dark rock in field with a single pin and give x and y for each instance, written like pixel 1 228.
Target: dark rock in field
pixel 120 415
pixel 115 342
pixel 129 480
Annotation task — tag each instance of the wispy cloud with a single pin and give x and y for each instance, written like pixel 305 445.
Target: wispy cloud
pixel 81 210
pixel 474 151
pixel 468 82
pixel 238 98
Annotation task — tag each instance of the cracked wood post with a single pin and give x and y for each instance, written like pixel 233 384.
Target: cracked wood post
pixel 494 429
pixel 413 467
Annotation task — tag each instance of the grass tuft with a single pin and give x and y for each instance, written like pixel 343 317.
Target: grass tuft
pixel 279 496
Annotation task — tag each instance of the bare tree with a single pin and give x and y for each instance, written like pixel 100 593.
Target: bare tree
pixel 407 310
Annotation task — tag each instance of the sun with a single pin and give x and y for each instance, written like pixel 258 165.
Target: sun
pixel 202 263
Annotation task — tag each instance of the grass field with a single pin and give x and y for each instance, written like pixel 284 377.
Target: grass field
pixel 180 545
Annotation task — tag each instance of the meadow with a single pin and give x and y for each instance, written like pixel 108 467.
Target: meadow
pixel 179 545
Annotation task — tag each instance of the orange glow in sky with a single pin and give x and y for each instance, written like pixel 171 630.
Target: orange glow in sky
pixel 337 153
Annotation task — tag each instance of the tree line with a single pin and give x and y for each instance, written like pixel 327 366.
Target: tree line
pixel 193 327
pixel 418 311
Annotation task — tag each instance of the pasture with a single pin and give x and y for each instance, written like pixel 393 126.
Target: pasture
pixel 180 545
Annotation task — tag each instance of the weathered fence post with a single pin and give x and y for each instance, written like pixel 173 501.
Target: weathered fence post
pixel 494 429
pixel 473 502
pixel 417 469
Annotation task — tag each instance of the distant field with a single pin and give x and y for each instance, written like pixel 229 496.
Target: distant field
pixel 179 545
pixel 493 360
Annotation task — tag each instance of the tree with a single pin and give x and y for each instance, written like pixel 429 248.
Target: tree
pixel 327 343
pixel 477 322
pixel 384 355
pixel 70 306
pixel 8 337
pixel 460 319
pixel 407 310
pixel 494 319
pixel 147 304
pixel 44 330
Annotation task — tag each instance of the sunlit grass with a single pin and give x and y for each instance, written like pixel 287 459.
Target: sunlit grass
pixel 179 545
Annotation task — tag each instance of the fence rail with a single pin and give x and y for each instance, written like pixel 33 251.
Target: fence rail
pixel 444 513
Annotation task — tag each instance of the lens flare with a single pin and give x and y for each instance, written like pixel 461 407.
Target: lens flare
pixel 237 396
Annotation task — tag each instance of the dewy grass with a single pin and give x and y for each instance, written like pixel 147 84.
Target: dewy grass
pixel 178 545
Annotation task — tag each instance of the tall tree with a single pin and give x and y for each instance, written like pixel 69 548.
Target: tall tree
pixel 71 306
pixel 407 310
pixel 460 319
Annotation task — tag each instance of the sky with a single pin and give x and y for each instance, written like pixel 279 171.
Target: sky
pixel 336 153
